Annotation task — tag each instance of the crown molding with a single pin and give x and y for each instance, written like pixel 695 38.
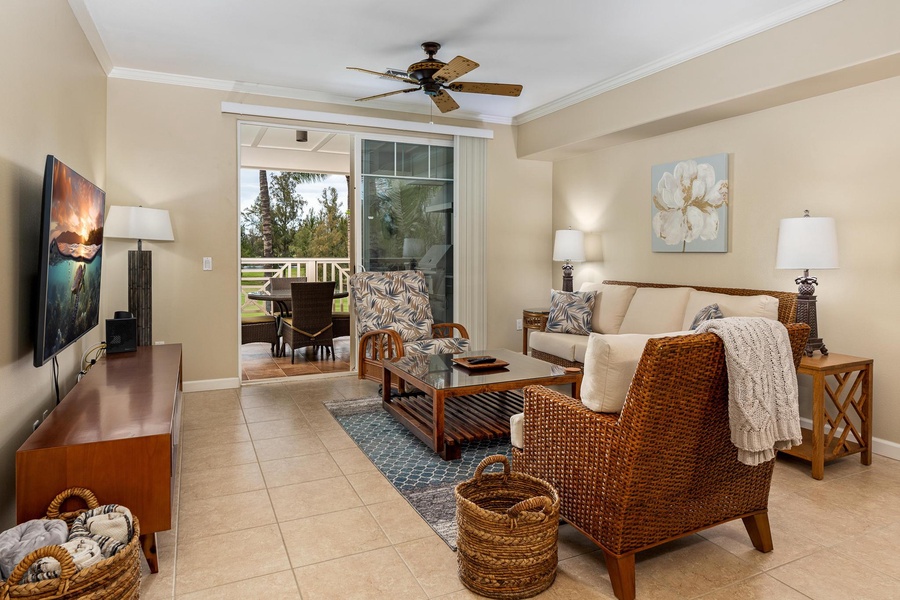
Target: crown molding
pixel 726 38
pixel 294 114
pixel 83 16
pixel 292 93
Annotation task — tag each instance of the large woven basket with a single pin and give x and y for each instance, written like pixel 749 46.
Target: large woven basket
pixel 508 526
pixel 116 577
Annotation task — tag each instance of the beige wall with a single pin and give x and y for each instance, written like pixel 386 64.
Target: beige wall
pixel 835 155
pixel 171 147
pixel 519 244
pixel 53 102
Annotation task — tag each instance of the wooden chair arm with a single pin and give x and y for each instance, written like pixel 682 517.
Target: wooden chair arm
pixel 445 330
pixel 380 344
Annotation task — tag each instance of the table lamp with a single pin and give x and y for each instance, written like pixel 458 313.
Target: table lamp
pixel 568 246
pixel 138 223
pixel 806 243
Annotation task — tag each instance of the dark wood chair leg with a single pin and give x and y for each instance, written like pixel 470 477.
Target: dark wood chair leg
pixel 758 528
pixel 621 575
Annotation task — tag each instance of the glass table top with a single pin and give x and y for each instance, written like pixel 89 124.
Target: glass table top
pixel 439 371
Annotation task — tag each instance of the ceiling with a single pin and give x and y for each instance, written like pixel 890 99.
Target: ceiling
pixel 561 52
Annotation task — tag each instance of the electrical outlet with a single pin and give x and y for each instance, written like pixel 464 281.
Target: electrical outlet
pixel 518 324
pixel 159 343
pixel 36 425
pixel 44 416
pixel 207 263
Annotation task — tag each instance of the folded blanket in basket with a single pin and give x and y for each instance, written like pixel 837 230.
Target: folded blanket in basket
pixel 109 525
pixel 85 552
pixel 21 540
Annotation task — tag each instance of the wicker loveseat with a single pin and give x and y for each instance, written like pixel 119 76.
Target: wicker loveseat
pixel 663 468
pixel 653 308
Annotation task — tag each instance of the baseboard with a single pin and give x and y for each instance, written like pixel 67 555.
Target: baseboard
pixel 881 447
pixel 205 385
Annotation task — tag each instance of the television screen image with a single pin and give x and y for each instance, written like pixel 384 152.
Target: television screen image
pixel 70 256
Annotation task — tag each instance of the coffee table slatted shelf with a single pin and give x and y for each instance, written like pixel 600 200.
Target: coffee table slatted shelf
pixel 453 405
pixel 468 419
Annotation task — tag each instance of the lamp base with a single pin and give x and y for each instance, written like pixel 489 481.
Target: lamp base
pixel 568 286
pixel 139 294
pixel 806 313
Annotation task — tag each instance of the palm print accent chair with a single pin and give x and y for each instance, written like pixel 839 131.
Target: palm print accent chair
pixel 393 318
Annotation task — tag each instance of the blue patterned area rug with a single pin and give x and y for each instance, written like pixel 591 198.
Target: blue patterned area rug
pixel 420 475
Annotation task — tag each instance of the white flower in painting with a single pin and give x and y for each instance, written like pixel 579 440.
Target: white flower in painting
pixel 687 199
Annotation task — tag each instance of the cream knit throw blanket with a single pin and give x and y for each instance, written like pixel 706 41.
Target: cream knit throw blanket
pixel 762 386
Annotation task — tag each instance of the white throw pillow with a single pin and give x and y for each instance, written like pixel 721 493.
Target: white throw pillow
pixel 657 310
pixel 609 366
pixel 731 306
pixel 610 305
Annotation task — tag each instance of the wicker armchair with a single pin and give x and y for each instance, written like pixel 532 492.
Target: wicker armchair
pixel 393 318
pixel 310 320
pixel 663 469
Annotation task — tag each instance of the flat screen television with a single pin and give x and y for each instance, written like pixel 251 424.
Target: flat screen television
pixel 71 249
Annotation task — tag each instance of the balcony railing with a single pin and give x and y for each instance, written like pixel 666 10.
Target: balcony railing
pixel 256 273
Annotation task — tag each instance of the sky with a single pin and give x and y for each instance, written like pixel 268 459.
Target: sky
pixel 311 192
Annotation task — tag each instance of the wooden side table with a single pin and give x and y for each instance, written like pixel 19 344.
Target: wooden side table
pixel 850 393
pixel 532 318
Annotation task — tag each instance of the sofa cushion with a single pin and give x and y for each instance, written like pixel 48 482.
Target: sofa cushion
pixel 570 312
pixel 609 367
pixel 731 306
pixel 658 310
pixel 517 430
pixel 610 305
pixel 557 344
pixel 706 313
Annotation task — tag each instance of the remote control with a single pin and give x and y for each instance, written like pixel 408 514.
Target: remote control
pixel 483 360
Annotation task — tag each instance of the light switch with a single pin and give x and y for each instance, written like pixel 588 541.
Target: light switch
pixel 207 263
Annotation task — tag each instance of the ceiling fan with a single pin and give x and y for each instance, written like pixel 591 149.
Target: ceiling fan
pixel 434 77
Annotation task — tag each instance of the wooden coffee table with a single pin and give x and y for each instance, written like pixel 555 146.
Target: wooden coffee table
pixel 456 405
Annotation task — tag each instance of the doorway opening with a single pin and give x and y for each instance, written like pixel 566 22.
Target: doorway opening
pixel 295 187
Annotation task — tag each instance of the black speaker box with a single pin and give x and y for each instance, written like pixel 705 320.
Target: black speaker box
pixel 121 335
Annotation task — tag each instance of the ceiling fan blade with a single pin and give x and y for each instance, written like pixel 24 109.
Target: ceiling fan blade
pixel 385 75
pixel 457 67
pixel 415 89
pixel 444 102
pixel 498 89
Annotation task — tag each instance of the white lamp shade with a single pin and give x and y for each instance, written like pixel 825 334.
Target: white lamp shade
pixel 807 243
pixel 138 223
pixel 568 245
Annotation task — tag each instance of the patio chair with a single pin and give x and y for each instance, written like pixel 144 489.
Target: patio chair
pixel 310 320
pixel 662 469
pixel 282 284
pixel 260 329
pixel 393 318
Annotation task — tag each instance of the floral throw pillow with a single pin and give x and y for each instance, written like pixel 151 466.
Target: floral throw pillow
pixel 570 312
pixel 707 313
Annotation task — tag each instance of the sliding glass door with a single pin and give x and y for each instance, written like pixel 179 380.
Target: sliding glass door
pixel 406 214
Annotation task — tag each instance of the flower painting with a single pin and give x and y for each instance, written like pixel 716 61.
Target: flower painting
pixel 689 206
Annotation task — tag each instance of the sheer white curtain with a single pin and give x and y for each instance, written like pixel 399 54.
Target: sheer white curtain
pixel 469 283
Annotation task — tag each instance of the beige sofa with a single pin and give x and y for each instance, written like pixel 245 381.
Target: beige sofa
pixel 651 308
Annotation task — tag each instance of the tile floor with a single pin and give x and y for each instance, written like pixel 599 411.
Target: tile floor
pixel 257 362
pixel 277 502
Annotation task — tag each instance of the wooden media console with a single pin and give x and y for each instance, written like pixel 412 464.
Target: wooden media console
pixel 117 434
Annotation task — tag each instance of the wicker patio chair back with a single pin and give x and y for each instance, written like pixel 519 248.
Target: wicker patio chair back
pixel 283 284
pixel 310 321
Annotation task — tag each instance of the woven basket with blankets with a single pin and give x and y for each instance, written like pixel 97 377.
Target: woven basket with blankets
pixel 92 553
